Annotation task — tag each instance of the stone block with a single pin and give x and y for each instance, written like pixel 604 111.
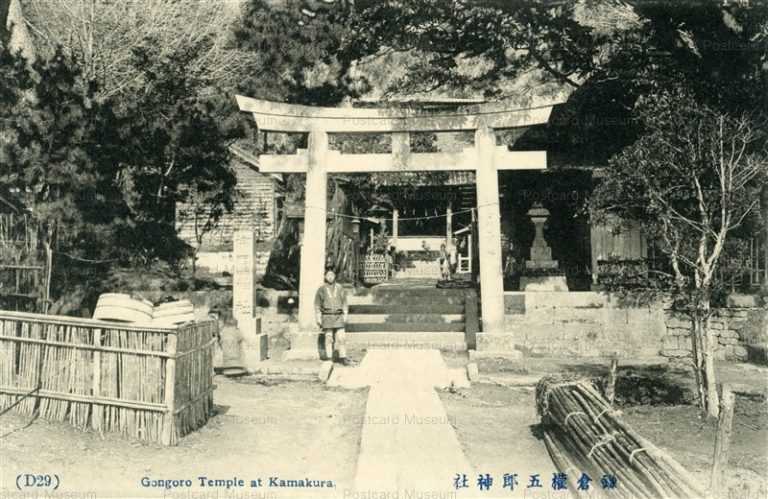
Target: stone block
pixel 325 371
pixel 304 346
pixel 670 343
pixel 728 333
pixel 546 283
pixel 740 353
pixel 256 350
pixel 514 303
pixel 722 352
pixel 743 301
pixel 472 372
pixel 678 323
pixel 675 353
pixel 728 341
pixel 492 344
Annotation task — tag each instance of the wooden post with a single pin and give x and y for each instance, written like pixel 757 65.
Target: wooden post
pixel 717 487
pixel 312 260
pixel 471 325
pixel 489 226
pixel 448 223
pixel 169 424
pixel 610 390
pixel 395 228
pixel 98 410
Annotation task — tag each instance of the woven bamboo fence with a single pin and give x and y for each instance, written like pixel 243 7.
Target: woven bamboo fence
pixel 146 383
pixel 23 274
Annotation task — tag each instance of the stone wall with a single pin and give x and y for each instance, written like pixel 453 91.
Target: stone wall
pixel 736 328
pixel 592 324
pixel 583 324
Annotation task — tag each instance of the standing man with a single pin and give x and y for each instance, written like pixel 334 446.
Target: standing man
pixel 453 259
pixel 331 312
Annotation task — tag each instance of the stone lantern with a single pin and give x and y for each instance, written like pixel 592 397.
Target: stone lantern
pixel 541 271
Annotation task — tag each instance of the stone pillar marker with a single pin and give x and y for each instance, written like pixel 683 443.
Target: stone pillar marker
pixel 255 344
pixel 244 249
pixel 489 227
pixel 313 243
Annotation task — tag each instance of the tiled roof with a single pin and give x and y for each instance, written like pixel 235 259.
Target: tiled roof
pixel 450 178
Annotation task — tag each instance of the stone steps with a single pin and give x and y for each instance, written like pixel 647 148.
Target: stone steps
pixel 372 308
pixel 415 318
pixel 451 341
pixel 411 327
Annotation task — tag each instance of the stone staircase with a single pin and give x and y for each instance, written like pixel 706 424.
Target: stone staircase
pixel 415 317
pixel 419 269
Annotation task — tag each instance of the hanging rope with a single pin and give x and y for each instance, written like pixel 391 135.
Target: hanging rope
pixel 375 219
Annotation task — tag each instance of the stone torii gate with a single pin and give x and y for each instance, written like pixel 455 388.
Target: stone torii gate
pixel 485 159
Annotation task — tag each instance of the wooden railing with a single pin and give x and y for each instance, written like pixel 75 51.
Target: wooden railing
pixel 147 383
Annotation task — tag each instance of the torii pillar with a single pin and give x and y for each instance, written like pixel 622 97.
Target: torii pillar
pixel 489 227
pixel 312 258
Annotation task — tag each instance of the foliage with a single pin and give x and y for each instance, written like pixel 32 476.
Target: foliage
pixel 714 48
pixel 102 36
pixel 606 54
pixel 304 60
pixel 52 153
pixel 690 180
pixel 174 152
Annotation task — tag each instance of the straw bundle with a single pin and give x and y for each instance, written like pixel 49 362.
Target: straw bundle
pixel 583 433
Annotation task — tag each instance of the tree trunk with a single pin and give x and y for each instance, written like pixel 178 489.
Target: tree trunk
pixel 48 274
pixel 697 353
pixel 704 344
pixel 194 261
pixel 764 217
pixel 713 400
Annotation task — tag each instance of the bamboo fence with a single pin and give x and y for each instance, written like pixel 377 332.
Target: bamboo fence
pixel 22 265
pixel 146 383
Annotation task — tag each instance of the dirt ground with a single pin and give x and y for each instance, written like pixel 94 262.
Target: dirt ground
pixel 496 427
pixel 691 440
pixel 496 424
pixel 298 430
pixel 293 430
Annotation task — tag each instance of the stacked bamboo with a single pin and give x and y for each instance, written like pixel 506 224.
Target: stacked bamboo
pixel 147 383
pixel 584 434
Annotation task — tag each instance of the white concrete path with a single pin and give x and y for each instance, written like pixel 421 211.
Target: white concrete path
pixel 409 446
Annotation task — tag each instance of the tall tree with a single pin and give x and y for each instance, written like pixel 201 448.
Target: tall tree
pixel 175 145
pixel 51 156
pixel 690 180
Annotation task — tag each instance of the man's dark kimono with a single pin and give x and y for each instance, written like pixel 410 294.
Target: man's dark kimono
pixel 331 312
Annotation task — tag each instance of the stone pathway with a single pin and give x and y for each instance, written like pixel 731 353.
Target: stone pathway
pixel 409 446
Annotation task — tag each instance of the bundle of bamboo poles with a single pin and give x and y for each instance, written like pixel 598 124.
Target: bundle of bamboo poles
pixel 584 434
